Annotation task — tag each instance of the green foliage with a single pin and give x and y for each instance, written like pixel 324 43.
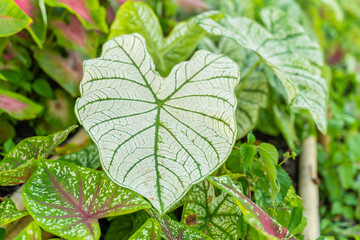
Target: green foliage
pixel 9 213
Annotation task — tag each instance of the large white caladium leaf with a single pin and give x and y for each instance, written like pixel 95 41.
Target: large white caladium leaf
pixel 288 51
pixel 217 216
pixel 158 136
pixel 67 200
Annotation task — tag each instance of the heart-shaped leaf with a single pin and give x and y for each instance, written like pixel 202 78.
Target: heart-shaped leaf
pixel 9 213
pixel 31 232
pixel 20 162
pixel 135 17
pixel 253 214
pixel 286 49
pixel 67 200
pixel 12 18
pixel 89 12
pixel 173 230
pixel 158 136
pixel 151 230
pixel 217 216
pixel 18 106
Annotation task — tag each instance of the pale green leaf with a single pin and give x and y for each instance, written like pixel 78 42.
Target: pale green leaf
pixel 89 12
pixel 173 230
pixel 286 49
pixel 31 232
pixel 20 162
pixel 217 216
pixel 149 231
pixel 67 200
pixel 136 17
pixel 158 136
pixel 247 152
pixel 269 156
pixel 9 213
pixel 253 215
pixel 18 106
pixel 86 157
pixel 12 18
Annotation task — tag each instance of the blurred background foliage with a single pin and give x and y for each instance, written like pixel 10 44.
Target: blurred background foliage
pixel 41 56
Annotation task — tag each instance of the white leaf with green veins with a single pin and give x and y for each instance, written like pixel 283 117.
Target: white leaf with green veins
pixel 217 216
pixel 286 49
pixel 158 136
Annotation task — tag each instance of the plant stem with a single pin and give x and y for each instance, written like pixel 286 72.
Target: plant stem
pixel 246 78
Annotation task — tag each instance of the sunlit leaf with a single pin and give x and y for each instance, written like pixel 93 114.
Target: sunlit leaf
pixel 20 162
pixel 12 18
pixel 158 136
pixel 135 17
pixel 286 49
pixel 31 232
pixel 67 200
pixel 253 214
pixel 89 12
pixel 18 106
pixel 149 231
pixel 217 216
pixel 173 230
pixel 35 9
pixel 9 213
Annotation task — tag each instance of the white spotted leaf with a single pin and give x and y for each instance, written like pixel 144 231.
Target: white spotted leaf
pixel 253 215
pixel 288 51
pixel 31 232
pixel 173 230
pixel 158 136
pixel 217 216
pixel 9 213
pixel 151 230
pixel 67 200
pixel 19 163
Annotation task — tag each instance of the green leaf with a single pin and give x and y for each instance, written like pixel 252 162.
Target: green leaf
pixel 20 162
pixel 86 157
pixel 89 12
pixel 253 215
pixel 31 232
pixel 12 18
pixel 9 213
pixel 35 9
pixel 136 17
pixel 173 230
pixel 269 156
pixel 149 231
pixel 66 72
pixel 18 106
pixel 7 130
pixel 67 200
pixel 158 136
pixel 217 216
pixel 286 49
pixel 120 227
pixel 43 88
pixel 247 152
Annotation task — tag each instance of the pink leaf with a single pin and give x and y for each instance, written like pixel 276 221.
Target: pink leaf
pixel 11 104
pixel 79 6
pixel 27 6
pixel 190 5
pixel 74 31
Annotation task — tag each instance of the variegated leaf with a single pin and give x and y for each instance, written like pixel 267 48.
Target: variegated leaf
pixel 86 157
pixel 173 230
pixel 20 162
pixel 9 213
pixel 135 17
pixel 253 215
pixel 67 200
pixel 286 49
pixel 12 18
pixel 31 232
pixel 151 230
pixel 217 216
pixel 158 136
